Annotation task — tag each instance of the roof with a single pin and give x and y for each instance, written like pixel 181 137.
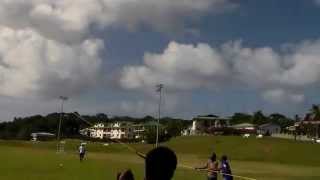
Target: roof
pixel 243 125
pixel 210 118
pixel 268 124
pixel 310 122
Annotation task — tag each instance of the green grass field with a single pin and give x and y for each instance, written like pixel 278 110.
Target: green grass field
pixel 265 159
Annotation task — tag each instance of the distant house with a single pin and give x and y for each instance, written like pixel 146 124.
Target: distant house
pixel 269 128
pixel 191 130
pixel 118 130
pixel 313 122
pixel 113 131
pixel 202 124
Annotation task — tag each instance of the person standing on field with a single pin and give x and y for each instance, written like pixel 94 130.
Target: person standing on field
pixel 212 166
pixel 82 152
pixel 225 168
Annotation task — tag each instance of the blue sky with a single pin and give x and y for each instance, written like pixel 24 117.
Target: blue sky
pixel 213 56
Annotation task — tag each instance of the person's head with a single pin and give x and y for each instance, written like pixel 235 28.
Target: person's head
pixel 160 164
pixel 213 157
pixel 125 175
pixel 224 158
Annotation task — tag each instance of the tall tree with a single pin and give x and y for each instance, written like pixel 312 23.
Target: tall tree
pixel 259 118
pixel 315 111
pixel 238 118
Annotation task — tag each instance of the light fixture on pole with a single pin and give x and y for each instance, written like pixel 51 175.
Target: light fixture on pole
pixel 159 89
pixel 63 99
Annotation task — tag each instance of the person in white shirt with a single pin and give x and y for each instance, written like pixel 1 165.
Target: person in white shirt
pixel 82 152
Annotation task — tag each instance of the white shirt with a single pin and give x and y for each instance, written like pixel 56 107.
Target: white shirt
pixel 81 149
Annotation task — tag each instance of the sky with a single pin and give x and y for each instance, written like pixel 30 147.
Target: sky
pixel 107 56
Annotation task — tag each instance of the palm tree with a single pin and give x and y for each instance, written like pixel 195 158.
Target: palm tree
pixel 315 111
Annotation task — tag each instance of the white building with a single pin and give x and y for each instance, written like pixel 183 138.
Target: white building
pixel 111 131
pixel 202 123
pixel 118 130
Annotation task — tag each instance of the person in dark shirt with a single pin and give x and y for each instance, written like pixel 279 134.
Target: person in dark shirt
pixel 225 168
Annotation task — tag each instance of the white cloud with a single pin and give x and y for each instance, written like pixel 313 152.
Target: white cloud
pixel 49 43
pixel 278 75
pixel 70 21
pixel 180 67
pixel 30 64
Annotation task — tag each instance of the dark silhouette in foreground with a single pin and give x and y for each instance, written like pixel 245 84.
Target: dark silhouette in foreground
pixel 125 175
pixel 160 164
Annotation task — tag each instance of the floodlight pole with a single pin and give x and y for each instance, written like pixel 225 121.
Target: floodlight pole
pixel 159 89
pixel 62 98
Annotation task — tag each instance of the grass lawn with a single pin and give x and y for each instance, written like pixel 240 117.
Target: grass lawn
pixel 265 159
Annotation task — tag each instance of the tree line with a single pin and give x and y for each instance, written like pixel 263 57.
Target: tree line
pixel 22 127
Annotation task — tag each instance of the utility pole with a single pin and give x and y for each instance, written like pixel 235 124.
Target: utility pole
pixel 159 89
pixel 63 99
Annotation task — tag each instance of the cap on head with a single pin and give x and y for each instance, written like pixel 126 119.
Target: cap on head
pixel 160 164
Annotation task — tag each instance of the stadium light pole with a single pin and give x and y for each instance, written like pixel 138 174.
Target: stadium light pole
pixel 159 89
pixel 63 99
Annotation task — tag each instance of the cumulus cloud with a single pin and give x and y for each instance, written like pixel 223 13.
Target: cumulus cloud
pixel 278 75
pixel 49 44
pixel 70 21
pixel 180 67
pixel 30 64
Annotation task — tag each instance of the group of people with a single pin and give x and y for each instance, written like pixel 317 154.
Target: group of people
pixel 161 163
pixel 213 168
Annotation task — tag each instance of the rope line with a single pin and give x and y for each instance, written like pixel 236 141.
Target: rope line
pixel 207 170
pixel 182 165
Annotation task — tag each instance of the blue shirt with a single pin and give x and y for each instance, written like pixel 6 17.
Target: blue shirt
pixel 225 168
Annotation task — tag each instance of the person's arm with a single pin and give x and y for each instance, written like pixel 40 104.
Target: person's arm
pixel 203 167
